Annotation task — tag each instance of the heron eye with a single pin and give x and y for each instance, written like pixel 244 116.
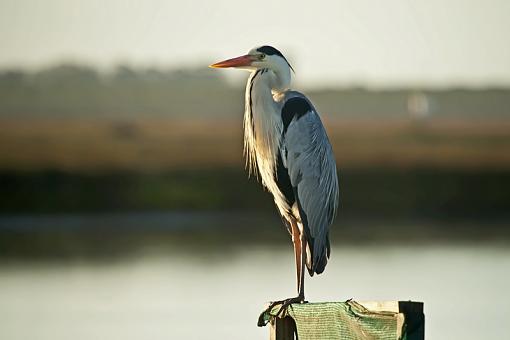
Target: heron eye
pixel 262 57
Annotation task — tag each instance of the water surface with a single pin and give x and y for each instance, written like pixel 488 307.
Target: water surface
pixel 188 294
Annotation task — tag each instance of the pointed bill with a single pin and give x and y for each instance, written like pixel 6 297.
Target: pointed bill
pixel 244 60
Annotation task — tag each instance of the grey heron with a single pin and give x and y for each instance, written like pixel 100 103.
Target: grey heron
pixel 286 145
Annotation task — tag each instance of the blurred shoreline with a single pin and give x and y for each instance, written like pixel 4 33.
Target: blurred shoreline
pixel 117 235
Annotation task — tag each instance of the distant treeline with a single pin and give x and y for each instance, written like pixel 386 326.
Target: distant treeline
pixel 365 193
pixel 74 90
pixel 70 90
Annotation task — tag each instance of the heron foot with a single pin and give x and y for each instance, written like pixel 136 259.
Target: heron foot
pixel 284 305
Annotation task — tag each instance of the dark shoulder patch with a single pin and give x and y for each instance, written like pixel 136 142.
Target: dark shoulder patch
pixel 294 107
pixel 282 180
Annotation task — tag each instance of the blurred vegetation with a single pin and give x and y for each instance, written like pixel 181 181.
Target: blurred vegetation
pixel 78 142
pixel 70 90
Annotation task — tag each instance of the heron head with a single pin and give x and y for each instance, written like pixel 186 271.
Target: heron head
pixel 257 58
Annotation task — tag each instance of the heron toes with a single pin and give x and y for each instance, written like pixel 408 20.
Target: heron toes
pixel 287 302
pixel 263 318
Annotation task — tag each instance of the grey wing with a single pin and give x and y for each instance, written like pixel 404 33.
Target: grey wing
pixel 312 170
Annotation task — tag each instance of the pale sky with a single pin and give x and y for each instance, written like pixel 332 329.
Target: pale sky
pixel 334 42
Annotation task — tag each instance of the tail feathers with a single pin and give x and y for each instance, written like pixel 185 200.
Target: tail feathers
pixel 310 270
pixel 321 264
pixel 319 259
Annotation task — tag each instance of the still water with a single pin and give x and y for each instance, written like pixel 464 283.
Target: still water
pixel 182 294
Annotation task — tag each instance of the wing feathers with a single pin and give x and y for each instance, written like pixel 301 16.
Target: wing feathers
pixel 312 171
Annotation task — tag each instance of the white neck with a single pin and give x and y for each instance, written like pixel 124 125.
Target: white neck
pixel 262 85
pixel 278 79
pixel 262 121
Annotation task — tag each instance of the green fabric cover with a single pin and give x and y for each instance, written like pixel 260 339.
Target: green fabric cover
pixel 341 320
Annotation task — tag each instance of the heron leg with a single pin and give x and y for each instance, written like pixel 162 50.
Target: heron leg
pixel 299 243
pixel 301 286
pixel 298 253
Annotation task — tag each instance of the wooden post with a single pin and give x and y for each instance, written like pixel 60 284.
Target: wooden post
pixel 414 319
pixel 282 329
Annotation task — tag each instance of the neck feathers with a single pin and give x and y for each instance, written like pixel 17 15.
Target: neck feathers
pixel 262 122
pixel 280 79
